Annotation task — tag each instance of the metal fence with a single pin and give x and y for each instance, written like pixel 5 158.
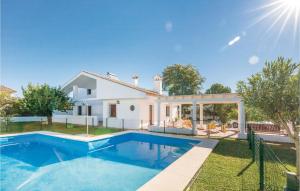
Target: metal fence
pixel 272 172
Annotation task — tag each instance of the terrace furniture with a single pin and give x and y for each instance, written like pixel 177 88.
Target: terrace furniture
pixel 187 124
pixel 212 128
pixel 224 128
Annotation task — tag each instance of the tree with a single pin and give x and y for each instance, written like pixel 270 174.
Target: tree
pixel 223 111
pixel 275 91
pixel 8 107
pixel 254 114
pixel 217 88
pixel 43 100
pixel 182 79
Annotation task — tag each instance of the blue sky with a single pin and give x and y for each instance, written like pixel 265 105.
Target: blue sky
pixel 49 41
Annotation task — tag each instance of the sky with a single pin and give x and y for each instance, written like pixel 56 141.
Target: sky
pixel 50 41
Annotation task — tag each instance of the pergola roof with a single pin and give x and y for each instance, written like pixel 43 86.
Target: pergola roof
pixel 204 98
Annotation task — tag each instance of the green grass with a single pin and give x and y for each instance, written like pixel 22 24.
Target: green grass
pixel 19 127
pixel 230 167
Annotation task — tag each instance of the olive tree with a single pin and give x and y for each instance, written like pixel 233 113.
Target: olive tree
pixel 275 91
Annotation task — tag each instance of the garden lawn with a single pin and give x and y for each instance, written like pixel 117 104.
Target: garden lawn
pixel 19 127
pixel 230 167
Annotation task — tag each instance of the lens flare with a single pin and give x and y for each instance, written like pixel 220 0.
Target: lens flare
pixel 281 12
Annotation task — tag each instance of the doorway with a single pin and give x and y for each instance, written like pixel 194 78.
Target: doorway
pixel 151 114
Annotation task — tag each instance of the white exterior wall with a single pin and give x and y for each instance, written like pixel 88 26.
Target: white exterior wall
pixel 107 92
pixel 111 90
pixel 173 112
pixel 82 94
pixel 97 108
pixel 131 118
pixel 137 119
pixel 144 111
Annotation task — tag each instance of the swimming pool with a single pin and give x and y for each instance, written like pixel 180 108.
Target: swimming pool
pixel 121 162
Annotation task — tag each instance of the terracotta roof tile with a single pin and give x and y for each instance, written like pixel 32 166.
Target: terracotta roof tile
pixel 5 89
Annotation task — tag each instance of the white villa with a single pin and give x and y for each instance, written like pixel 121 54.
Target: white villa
pixel 111 102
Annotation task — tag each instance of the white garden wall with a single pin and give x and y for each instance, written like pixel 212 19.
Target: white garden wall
pixel 122 123
pixel 79 120
pixel 276 138
pixel 27 119
pixel 183 131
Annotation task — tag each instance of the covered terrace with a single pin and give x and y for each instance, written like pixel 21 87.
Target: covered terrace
pixel 169 110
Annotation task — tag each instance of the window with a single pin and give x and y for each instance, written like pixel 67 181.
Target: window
pixel 79 112
pixel 132 108
pixel 112 110
pixel 167 111
pixel 89 110
pixel 89 91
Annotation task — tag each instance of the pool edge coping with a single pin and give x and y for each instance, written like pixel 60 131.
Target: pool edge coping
pixel 177 176
pixel 98 137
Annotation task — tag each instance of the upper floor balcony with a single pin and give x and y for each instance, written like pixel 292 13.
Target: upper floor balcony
pixel 81 87
pixel 84 93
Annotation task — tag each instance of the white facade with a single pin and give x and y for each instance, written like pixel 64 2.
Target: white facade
pixel 114 103
pixel 94 94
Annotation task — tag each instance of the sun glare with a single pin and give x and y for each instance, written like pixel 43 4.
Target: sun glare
pixel 294 4
pixel 281 12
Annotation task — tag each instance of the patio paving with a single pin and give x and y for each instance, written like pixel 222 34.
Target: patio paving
pixel 230 132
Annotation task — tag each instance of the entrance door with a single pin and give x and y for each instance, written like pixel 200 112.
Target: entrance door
pixel 151 114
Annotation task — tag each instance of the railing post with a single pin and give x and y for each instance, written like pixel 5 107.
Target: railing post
pixel 86 120
pixel 41 123
pixel 123 124
pixel 261 166
pixel 93 122
pixel 253 145
pixel 164 126
pixel 106 121
pixel 141 124
pixel 66 122
pixel 249 137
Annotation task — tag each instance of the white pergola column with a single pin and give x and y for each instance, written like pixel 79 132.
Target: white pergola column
pixel 158 114
pixel 179 111
pixel 201 115
pixel 241 117
pixel 194 117
pixel 171 112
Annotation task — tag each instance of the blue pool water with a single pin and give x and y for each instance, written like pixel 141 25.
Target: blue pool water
pixel 123 162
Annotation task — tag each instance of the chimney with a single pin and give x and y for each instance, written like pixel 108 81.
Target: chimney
pixel 157 79
pixel 135 80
